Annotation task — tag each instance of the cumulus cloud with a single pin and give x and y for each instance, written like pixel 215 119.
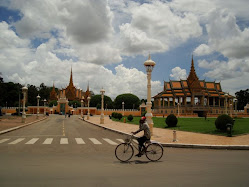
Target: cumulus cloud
pixel 225 36
pixel 178 73
pixel 222 70
pixel 43 66
pixel 84 26
pixel 156 31
pixel 203 49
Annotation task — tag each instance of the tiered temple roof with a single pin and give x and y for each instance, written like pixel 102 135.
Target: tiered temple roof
pixel 71 92
pixel 185 88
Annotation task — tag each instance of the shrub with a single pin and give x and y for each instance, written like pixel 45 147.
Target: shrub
pixel 222 121
pixel 114 114
pixel 130 117
pixel 119 116
pixel 171 120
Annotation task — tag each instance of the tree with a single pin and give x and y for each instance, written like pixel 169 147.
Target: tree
pixel 1 78
pixel 96 102
pixel 74 103
pixel 44 91
pixel 131 101
pixel 12 97
pixel 52 103
pixel 32 95
pixel 243 98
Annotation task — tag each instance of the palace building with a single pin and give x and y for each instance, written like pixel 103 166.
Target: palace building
pixel 71 93
pixel 192 97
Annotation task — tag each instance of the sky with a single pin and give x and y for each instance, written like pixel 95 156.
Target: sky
pixel 106 42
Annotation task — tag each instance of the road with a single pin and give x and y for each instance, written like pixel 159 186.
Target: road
pixel 70 152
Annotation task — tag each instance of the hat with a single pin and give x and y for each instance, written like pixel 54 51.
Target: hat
pixel 143 118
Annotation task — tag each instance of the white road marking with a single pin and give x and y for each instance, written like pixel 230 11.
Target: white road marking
pixel 110 141
pixel 79 141
pixel 121 140
pixel 3 140
pixel 32 141
pixel 17 141
pixel 48 141
pixel 95 141
pixel 135 141
pixel 64 141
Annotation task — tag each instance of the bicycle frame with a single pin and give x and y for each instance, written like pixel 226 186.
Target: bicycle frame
pixel 133 143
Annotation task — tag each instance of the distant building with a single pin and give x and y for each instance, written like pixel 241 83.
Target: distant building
pixel 192 97
pixel 71 93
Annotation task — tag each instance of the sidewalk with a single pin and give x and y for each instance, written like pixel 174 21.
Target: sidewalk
pixel 184 139
pixel 10 123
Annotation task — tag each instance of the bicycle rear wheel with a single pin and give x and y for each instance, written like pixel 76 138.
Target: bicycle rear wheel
pixel 154 151
pixel 124 152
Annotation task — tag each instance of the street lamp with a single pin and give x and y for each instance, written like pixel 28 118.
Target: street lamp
pixel 235 100
pixel 24 91
pixel 44 106
pixel 178 104
pixel 38 110
pixel 82 102
pixel 226 95
pixel 123 107
pixel 102 91
pixel 88 112
pixel 149 65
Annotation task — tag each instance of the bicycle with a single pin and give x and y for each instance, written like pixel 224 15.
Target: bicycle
pixel 152 149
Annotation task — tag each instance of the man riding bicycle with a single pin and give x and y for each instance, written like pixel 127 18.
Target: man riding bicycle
pixel 143 125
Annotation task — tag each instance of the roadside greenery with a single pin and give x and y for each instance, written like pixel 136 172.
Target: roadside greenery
pixel 199 125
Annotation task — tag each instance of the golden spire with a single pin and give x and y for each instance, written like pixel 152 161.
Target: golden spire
pixel 192 74
pixel 88 86
pixel 71 77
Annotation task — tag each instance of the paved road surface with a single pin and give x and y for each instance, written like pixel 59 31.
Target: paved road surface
pixel 70 152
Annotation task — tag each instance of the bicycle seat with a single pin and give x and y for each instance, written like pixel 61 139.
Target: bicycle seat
pixel 147 141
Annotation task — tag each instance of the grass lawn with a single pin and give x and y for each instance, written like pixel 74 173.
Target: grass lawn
pixel 199 125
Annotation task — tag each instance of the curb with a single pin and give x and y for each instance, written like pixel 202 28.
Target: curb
pixel 21 126
pixel 193 146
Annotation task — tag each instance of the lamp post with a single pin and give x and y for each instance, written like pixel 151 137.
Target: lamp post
pixel 24 91
pixel 235 100
pixel 123 107
pixel 226 95
pixel 102 91
pixel 38 99
pixel 149 65
pixel 178 104
pixel 44 106
pixel 88 112
pixel 82 101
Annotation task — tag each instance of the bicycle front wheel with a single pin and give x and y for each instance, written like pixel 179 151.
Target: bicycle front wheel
pixel 154 151
pixel 124 152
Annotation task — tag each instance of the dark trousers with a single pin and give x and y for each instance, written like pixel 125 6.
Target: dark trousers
pixel 141 141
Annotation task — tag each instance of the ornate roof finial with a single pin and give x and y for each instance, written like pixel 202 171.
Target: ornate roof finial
pixel 71 77
pixel 149 58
